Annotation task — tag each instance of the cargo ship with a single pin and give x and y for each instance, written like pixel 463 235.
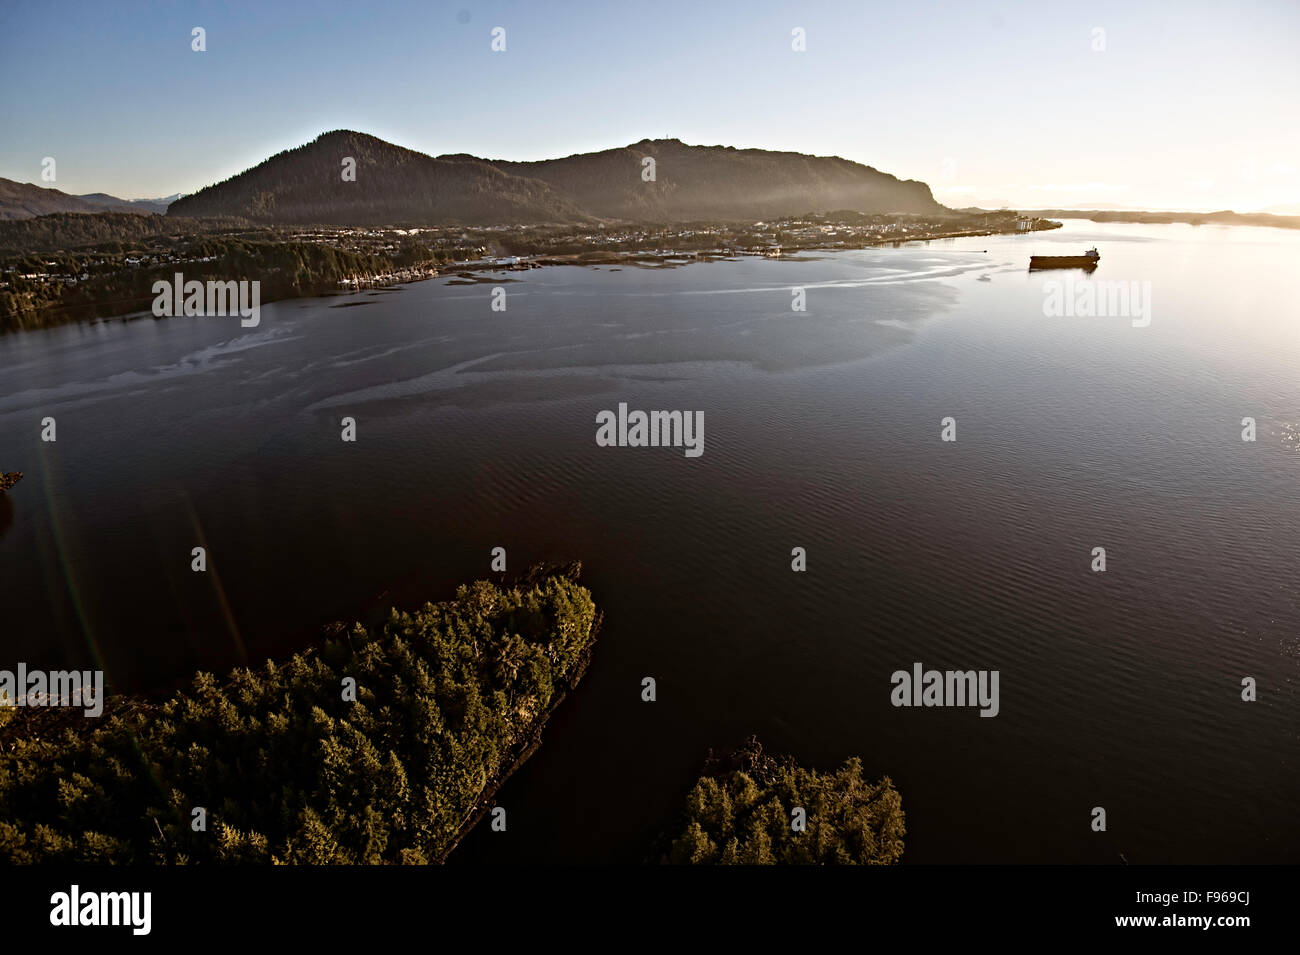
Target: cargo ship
pixel 1088 261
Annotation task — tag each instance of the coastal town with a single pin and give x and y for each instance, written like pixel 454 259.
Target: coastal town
pixel 523 247
pixel 77 281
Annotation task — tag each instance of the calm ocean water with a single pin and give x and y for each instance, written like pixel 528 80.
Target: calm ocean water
pixel 822 430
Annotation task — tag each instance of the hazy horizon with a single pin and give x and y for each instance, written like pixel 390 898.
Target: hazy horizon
pixel 1015 105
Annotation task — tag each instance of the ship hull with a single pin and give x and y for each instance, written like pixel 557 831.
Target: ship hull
pixel 1037 262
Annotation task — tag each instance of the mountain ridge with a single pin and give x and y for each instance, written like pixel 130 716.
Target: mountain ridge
pixel 722 182
pixel 652 180
pixel 396 185
pixel 393 184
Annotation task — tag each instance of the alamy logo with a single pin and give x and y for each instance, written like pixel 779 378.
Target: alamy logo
pixel 655 429
pixel 946 688
pixel 179 297
pixel 103 908
pixel 1098 299
pixel 24 687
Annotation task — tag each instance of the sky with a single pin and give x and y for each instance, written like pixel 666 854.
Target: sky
pixel 1145 104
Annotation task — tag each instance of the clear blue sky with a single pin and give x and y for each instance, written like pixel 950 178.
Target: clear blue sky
pixel 1191 105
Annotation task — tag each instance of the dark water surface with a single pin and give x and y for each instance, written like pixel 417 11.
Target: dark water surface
pixel 476 429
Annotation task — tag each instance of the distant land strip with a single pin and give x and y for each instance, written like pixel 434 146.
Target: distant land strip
pixel 1226 217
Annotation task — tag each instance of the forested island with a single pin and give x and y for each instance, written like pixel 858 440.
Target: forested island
pixel 383 745
pixel 743 810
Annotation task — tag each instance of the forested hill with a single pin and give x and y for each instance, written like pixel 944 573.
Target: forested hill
pixel 721 183
pixel 392 186
pixel 399 187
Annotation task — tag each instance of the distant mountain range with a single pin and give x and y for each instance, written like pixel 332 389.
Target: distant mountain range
pixel 398 186
pixel 23 200
pixel 147 206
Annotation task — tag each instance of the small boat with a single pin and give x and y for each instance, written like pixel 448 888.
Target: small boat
pixel 1088 261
